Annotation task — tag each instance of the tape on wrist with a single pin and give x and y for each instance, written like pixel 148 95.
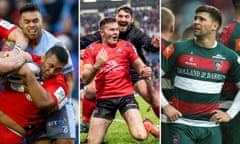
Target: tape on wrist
pixel 18 48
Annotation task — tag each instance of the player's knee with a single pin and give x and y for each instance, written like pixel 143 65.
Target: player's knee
pixel 140 135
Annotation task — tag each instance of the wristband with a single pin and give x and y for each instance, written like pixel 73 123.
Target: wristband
pixel 18 48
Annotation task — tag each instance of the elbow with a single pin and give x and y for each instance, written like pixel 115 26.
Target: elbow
pixel 45 105
pixel 85 79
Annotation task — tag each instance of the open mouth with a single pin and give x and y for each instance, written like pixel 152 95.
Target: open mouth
pixel 123 24
pixel 32 32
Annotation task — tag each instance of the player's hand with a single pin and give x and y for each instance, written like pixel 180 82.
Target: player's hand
pixel 82 54
pixel 220 116
pixel 101 57
pixel 171 112
pixel 155 41
pixel 146 72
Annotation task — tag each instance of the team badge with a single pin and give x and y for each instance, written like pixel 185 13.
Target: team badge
pixel 168 51
pixel 119 50
pixel 217 65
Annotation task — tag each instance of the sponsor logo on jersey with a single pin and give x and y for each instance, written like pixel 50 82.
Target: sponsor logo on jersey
pixel 6 24
pixel 111 65
pixel 219 56
pixel 60 94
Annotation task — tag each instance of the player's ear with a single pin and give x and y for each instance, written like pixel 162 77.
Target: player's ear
pixel 19 23
pixel 43 58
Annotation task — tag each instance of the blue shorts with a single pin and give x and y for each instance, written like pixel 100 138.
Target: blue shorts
pixel 60 124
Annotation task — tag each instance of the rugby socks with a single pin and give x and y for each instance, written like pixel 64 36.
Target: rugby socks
pixel 156 110
pixel 87 109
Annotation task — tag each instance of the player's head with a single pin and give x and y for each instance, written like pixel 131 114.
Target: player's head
pixel 187 33
pixel 124 17
pixel 167 20
pixel 109 30
pixel 53 62
pixel 31 21
pixel 208 19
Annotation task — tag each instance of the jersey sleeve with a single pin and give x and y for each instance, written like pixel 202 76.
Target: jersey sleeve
pixel 167 58
pixel 132 53
pixel 58 89
pixel 234 72
pixel 6 28
pixel 88 55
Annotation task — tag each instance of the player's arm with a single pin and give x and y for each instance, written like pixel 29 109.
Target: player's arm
pixel 19 38
pixel 142 69
pixel 13 62
pixel 235 107
pixel 220 116
pixel 90 70
pixel 69 78
pixel 147 43
pixel 40 97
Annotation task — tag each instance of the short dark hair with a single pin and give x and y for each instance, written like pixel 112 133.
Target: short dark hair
pixel 213 11
pixel 106 20
pixel 60 53
pixel 29 7
pixel 125 8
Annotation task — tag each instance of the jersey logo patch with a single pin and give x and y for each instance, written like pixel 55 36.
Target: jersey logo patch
pixel 217 65
pixel 89 46
pixel 119 50
pixel 60 94
pixel 6 24
pixel 168 51
pixel 237 44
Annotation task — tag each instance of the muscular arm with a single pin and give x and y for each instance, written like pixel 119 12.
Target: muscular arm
pixel 13 62
pixel 19 38
pixel 138 65
pixel 89 72
pixel 40 97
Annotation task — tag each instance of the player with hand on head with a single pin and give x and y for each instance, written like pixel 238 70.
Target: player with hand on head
pixel 142 42
pixel 109 60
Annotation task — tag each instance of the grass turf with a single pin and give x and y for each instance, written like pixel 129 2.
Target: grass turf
pixel 118 131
